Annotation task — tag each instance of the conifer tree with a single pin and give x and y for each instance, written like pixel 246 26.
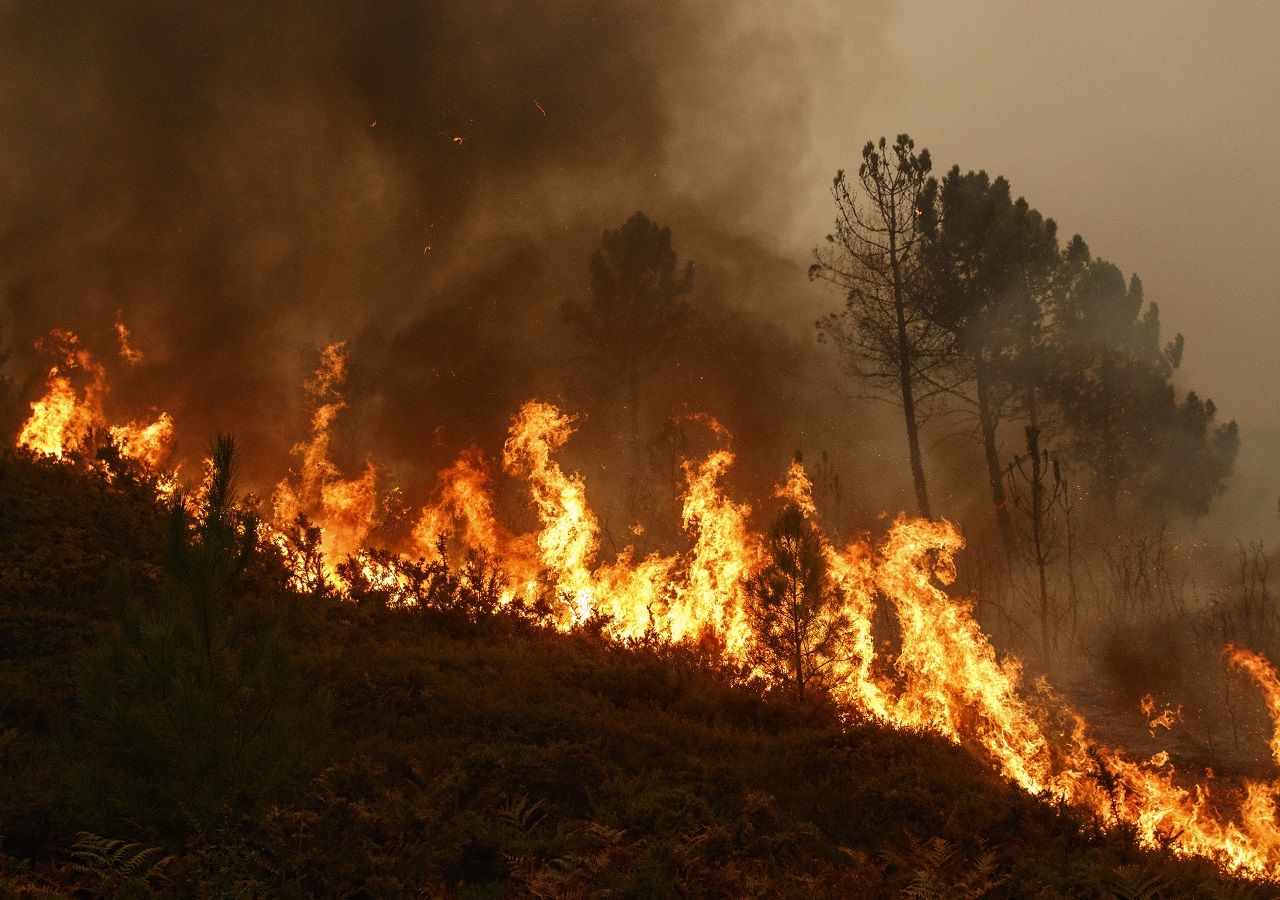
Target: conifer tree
pixel 193 703
pixel 884 330
pixel 793 607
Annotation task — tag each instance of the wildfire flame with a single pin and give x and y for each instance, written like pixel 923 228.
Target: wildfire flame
pixel 344 509
pixel 127 351
pixel 1166 718
pixel 945 675
pixel 1262 672
pixel 464 506
pixel 64 418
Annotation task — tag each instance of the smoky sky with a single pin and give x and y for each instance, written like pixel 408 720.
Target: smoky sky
pixel 1150 127
pixel 426 180
pixel 246 182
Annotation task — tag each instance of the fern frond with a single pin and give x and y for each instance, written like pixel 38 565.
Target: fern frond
pixel 520 814
pixel 1138 882
pixel 938 870
pixel 111 861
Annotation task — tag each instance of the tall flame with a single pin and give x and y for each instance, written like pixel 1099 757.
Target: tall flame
pixel 1261 671
pixel 62 419
pixel 464 506
pixel 852 571
pixel 944 674
pixel 724 552
pixel 128 352
pixel 148 443
pixel 65 417
pixel 570 534
pixel 345 509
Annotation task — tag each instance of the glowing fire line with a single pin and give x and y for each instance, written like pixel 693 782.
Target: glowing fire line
pixel 946 677
pixel 64 418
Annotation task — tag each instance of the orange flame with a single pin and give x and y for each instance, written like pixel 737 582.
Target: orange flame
pixel 344 509
pixel 724 552
pixel 570 535
pixel 147 443
pixel 1166 718
pixel 853 573
pixel 945 675
pixel 127 351
pixel 1264 674
pixel 466 500
pixel 62 420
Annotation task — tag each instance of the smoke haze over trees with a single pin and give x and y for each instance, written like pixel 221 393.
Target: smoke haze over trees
pixel 248 182
pixel 428 183
pixel 511 307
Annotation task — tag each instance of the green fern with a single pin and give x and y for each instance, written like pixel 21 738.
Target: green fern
pixel 939 871
pixel 23 886
pixel 1138 883
pixel 1238 890
pixel 570 874
pixel 114 862
pixel 520 814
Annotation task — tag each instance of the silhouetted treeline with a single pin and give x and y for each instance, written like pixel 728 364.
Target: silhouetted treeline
pixel 961 296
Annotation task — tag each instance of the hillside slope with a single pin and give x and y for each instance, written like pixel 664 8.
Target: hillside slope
pixel 479 755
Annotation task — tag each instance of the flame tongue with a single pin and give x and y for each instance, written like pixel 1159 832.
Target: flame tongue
pixel 953 682
pixel 724 552
pixel 949 678
pixel 344 509
pixel 1268 682
pixel 147 443
pixel 569 537
pixel 465 500
pixel 63 420
pixel 946 676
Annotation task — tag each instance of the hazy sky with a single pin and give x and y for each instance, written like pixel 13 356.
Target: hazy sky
pixel 426 179
pixel 1149 127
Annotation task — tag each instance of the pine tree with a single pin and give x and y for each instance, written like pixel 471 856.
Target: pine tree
pixel 1151 453
pixel 793 607
pixel 873 255
pixel 637 304
pixel 991 263
pixel 193 704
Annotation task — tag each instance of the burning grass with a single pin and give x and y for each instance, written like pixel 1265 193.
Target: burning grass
pixel 475 753
pixel 943 677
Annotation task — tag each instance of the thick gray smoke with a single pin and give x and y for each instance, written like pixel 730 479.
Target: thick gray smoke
pixel 425 180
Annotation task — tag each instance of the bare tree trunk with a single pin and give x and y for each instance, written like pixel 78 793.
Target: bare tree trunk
pixel 913 441
pixel 1038 540
pixel 799 676
pixel 1110 451
pixel 904 381
pixel 1038 508
pixel 987 420
pixel 633 445
pixel 798 644
pixel 1073 593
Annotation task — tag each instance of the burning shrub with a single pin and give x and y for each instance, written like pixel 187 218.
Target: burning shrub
pixel 793 606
